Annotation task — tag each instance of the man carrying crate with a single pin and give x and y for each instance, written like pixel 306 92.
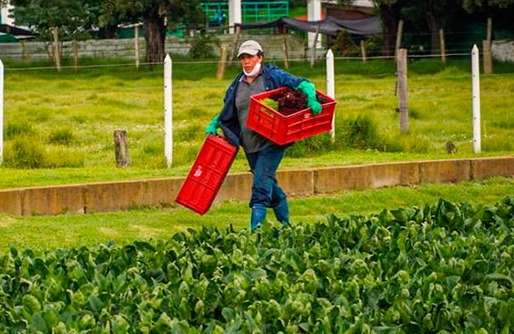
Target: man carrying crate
pixel 263 155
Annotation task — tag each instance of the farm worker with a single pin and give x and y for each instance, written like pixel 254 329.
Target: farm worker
pixel 263 155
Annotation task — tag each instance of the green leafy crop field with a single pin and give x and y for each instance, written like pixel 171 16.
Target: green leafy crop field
pixel 441 268
pixel 59 126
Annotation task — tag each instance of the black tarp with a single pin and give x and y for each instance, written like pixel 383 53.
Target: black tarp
pixel 15 31
pixel 329 26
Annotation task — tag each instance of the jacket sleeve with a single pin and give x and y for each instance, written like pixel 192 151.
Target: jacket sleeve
pixel 284 78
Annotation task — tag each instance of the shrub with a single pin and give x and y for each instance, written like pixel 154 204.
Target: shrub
pixel 391 144
pixel 406 142
pixel 316 144
pixel 361 133
pixel 415 143
pixel 13 130
pixel 61 136
pixel 344 45
pixel 414 114
pixel 202 46
pixel 25 152
pixel 497 142
pixel 58 157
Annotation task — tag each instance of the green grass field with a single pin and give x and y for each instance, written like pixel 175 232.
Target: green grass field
pixel 59 126
pixel 43 232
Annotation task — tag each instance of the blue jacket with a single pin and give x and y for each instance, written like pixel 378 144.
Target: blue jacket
pixel 274 77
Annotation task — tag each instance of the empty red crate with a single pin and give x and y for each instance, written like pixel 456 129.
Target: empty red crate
pixel 282 129
pixel 207 174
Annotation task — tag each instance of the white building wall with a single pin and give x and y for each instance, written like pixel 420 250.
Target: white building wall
pixel 363 3
pixel 314 14
pixel 5 15
pixel 234 14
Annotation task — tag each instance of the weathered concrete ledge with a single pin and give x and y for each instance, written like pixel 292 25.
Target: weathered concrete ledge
pixel 112 196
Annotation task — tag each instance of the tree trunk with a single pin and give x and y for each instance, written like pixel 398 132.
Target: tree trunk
pixel 389 30
pixel 108 32
pixel 155 33
pixel 434 32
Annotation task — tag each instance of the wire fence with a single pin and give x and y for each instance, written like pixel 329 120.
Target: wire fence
pixel 188 126
pixel 18 68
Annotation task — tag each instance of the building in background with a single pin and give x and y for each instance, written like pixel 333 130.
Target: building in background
pixel 359 9
pixel 9 33
pixel 4 18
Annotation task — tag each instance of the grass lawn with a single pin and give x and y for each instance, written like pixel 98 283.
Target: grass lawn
pixel 61 124
pixel 40 232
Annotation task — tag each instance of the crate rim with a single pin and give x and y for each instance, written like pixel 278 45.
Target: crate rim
pixel 255 98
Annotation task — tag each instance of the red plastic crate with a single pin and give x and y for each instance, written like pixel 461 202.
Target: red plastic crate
pixel 207 174
pixel 282 129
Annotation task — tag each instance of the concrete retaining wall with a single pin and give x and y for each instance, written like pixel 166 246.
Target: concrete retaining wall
pixel 124 48
pixel 111 196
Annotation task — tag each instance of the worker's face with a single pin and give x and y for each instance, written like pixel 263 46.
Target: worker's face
pixel 248 62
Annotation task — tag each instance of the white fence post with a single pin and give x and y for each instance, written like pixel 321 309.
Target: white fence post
pixel 475 77
pixel 331 90
pixel 168 111
pixel 1 112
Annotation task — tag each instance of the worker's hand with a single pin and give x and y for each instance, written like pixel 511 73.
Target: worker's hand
pixel 309 90
pixel 314 105
pixel 213 126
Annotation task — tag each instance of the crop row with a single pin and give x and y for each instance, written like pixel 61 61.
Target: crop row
pixel 442 268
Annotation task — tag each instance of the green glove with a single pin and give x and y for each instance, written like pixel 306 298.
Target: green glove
pixel 213 125
pixel 309 90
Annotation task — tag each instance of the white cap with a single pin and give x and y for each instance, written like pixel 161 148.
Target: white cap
pixel 250 47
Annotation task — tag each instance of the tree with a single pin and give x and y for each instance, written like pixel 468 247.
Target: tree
pixel 501 12
pixel 431 15
pixel 69 16
pixel 100 20
pixel 155 14
pixel 435 14
pixel 389 11
pixel 474 5
pixel 54 19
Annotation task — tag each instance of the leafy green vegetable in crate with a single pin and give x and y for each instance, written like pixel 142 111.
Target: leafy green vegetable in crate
pixel 268 102
pixel 446 267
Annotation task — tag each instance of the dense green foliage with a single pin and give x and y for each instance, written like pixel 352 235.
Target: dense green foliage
pixel 72 17
pixel 202 46
pixel 445 267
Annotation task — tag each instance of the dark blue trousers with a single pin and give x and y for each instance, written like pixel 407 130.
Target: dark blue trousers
pixel 266 193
